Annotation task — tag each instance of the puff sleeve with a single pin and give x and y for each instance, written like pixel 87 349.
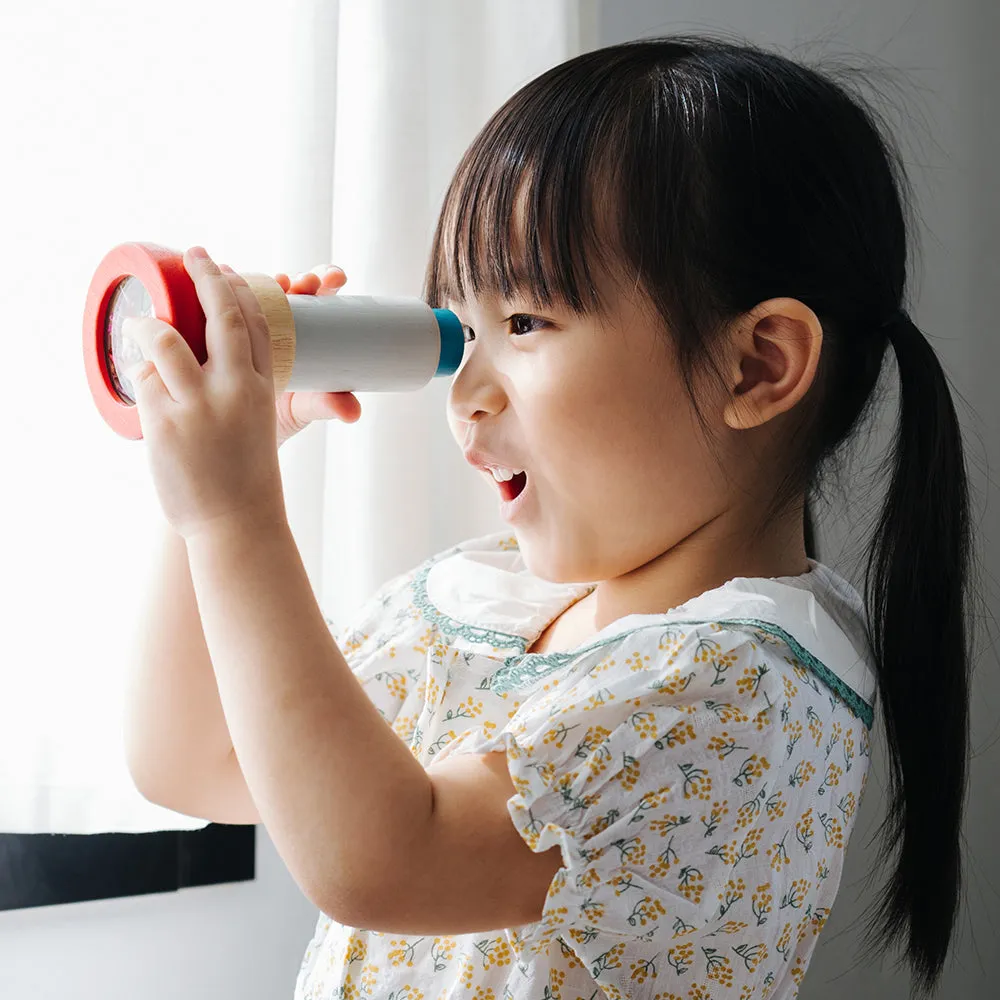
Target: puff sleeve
pixel 634 765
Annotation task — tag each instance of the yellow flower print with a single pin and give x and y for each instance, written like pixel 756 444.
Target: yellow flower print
pixel 815 725
pixel 642 970
pixel 733 927
pixel 680 957
pixel 600 697
pixel 357 950
pixel 557 977
pixel 644 724
pixel 718 967
pixel 637 661
pixel 726 712
pixel 847 805
pixel 404 725
pixel 605 664
pixel 796 895
pixel 798 970
pixel 750 679
pixel 752 954
pixel 558 734
pixel 699 992
pixel 646 911
pixel 433 692
pixel 833 832
pixel 465 969
pixel 676 735
pixel 733 893
pixel 468 709
pixel 495 951
pixel 723 744
pixel 802 772
pixel 819 917
pixel 710 822
pixel 403 951
pixel 425 641
pixel 674 684
pixel 697 781
pixel 786 936
pixel 442 948
pixel 804 830
pixel 349 989
pixel 611 959
pixel 775 806
pixel 484 993
pixel 672 640
pixel 831 778
pixel 691 883
pixel 629 774
pixel 777 853
pixel 791 689
pixel 794 731
pixel 369 978
pixel 752 767
pixel 651 800
pixel 760 902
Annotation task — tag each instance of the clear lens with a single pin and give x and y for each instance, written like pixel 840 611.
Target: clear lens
pixel 129 299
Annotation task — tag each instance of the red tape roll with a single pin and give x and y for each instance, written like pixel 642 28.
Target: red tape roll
pixel 175 301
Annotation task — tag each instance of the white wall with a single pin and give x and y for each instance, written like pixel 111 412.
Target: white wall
pixel 953 146
pixel 241 940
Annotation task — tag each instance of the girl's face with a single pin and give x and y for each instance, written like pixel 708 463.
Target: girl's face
pixel 596 413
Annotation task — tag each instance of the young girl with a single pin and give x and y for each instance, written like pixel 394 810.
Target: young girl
pixel 680 263
pixel 692 727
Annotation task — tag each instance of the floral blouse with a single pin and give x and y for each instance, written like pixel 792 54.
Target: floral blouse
pixel 700 771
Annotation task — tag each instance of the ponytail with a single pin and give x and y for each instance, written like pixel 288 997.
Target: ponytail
pixel 915 593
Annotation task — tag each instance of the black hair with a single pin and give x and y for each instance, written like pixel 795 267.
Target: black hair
pixel 715 175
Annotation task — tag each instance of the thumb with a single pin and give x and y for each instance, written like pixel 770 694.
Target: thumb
pixel 135 362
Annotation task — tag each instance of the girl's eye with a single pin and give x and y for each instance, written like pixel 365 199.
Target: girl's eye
pixel 514 321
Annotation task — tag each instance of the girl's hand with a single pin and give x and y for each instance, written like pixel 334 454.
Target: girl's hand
pixel 295 410
pixel 210 429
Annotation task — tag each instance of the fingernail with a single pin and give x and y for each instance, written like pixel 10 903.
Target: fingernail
pixel 198 252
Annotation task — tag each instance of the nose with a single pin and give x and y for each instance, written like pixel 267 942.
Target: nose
pixel 475 388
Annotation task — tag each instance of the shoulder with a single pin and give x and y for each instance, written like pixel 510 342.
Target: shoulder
pixel 706 669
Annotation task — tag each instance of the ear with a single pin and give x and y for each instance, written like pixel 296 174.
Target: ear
pixel 774 353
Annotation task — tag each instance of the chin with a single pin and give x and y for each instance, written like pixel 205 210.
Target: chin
pixel 552 561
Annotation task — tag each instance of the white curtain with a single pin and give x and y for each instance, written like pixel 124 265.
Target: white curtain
pixel 279 136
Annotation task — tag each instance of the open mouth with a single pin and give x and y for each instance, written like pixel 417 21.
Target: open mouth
pixel 512 487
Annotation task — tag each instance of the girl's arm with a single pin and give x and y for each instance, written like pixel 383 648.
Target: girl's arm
pixel 371 837
pixel 174 726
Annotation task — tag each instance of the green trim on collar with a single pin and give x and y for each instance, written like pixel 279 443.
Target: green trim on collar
pixel 524 666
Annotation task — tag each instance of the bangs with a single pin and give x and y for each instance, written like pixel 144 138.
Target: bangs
pixel 531 211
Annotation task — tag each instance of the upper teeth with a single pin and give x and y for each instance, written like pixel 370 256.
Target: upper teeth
pixel 501 475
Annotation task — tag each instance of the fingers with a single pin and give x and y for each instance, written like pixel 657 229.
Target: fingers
pixel 321 280
pixel 257 328
pixel 232 321
pixel 168 366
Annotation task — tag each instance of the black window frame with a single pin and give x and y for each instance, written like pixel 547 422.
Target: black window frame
pixel 49 869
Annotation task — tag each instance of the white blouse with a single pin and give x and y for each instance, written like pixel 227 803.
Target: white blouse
pixel 699 769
